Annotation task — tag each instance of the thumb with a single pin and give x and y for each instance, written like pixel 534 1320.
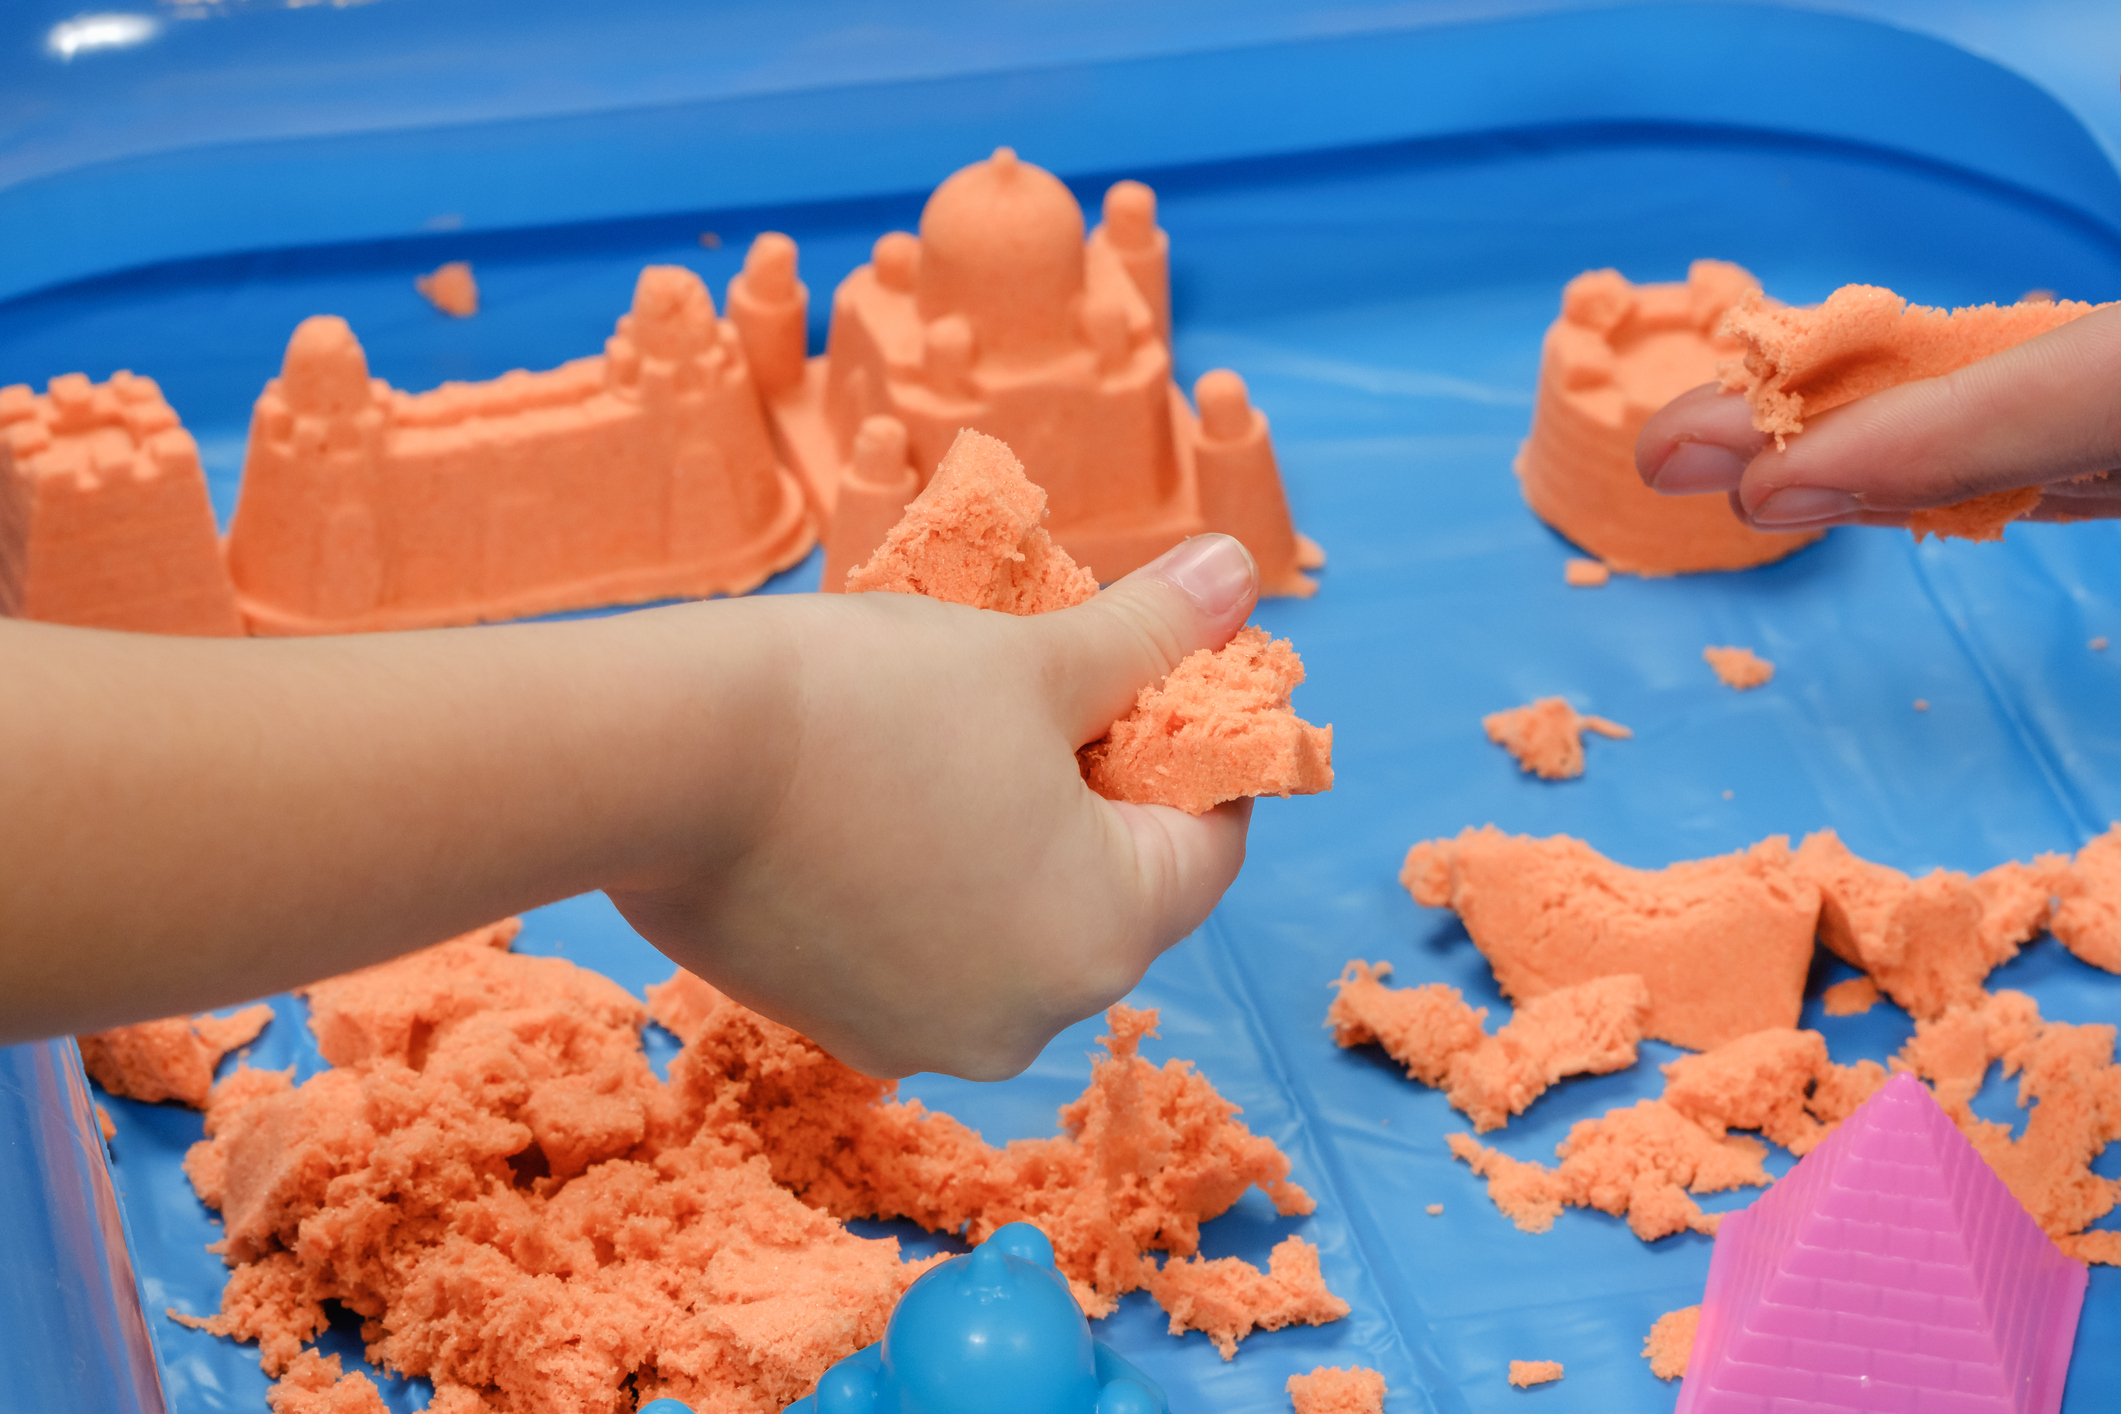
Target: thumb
pixel 1100 654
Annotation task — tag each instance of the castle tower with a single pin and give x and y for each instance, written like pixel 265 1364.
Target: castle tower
pixel 1891 1270
pixel 878 484
pixel 104 516
pixel 645 473
pixel 1240 486
pixel 771 310
pixel 1130 233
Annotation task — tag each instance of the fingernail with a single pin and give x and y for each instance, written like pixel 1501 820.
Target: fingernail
pixel 1697 467
pixel 1215 571
pixel 1803 505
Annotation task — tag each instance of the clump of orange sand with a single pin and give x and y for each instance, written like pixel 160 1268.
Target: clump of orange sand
pixel 1331 1390
pixel 1927 943
pixel 1671 1342
pixel 1739 668
pixel 1526 1373
pixel 1548 912
pixel 2087 916
pixel 493 1178
pixel 1552 913
pixel 1798 363
pixel 1219 727
pixel 451 289
pixel 171 1059
pixel 1588 1029
pixel 976 535
pixel 1546 736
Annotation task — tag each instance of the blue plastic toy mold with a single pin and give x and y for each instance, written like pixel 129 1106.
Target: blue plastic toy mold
pixel 995 1331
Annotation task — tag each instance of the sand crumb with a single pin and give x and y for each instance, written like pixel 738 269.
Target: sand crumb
pixel 1581 573
pixel 104 1127
pixel 1729 794
pixel 451 289
pixel 1552 913
pixel 1327 1390
pixel 1526 1373
pixel 1546 736
pixel 1434 1210
pixel 2098 645
pixel 314 1384
pixel 711 240
pixel 1671 1341
pixel 1740 668
pixel 171 1059
pixel 1922 704
pixel 1853 997
pixel 1590 1028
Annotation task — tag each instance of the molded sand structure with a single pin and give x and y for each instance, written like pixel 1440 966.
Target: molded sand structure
pixel 1798 363
pixel 1001 316
pixel 1553 913
pixel 1891 1270
pixel 1617 354
pixel 644 473
pixel 104 517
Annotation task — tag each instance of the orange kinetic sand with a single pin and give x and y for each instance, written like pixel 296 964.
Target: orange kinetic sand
pixel 1799 363
pixel 1217 728
pixel 1927 943
pixel 1617 354
pixel 1001 316
pixel 1329 1390
pixel 1546 736
pixel 1526 1373
pixel 173 1059
pixel 1552 913
pixel 451 289
pixel 104 518
pixel 642 473
pixel 1588 1029
pixel 493 1177
pixel 1671 1341
pixel 1585 574
pixel 1739 668
pixel 1851 998
pixel 2087 917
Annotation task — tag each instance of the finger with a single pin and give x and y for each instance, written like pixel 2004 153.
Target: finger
pixel 2043 411
pixel 2089 498
pixel 1698 442
pixel 1100 654
pixel 1182 866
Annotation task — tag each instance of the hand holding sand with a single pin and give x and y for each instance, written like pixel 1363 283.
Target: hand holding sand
pixel 2044 414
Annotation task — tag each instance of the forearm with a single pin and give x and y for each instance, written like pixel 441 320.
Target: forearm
pixel 185 823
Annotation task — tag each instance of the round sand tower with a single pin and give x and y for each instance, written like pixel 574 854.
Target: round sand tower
pixel 1617 354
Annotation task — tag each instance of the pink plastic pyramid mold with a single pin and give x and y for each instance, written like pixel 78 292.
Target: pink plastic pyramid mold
pixel 1005 317
pixel 1890 1272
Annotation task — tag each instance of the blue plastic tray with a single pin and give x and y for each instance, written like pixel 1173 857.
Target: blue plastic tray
pixel 1379 258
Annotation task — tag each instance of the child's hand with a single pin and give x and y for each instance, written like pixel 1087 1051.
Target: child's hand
pixel 934 888
pixel 2046 413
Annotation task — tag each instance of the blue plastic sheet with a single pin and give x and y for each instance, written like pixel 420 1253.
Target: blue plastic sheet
pixel 1384 297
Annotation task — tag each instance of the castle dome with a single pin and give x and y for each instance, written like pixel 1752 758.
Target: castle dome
pixel 1002 245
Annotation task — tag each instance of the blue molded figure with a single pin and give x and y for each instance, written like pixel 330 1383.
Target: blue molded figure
pixel 995 1331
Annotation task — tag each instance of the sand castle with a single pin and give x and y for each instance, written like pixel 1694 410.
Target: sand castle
pixel 642 473
pixel 1617 354
pixel 1001 316
pixel 104 518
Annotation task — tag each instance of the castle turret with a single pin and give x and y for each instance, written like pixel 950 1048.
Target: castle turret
pixel 1240 485
pixel 874 490
pixel 1130 232
pixel 771 309
pixel 104 517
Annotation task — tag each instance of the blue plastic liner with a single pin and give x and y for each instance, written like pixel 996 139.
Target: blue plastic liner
pixel 1379 257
